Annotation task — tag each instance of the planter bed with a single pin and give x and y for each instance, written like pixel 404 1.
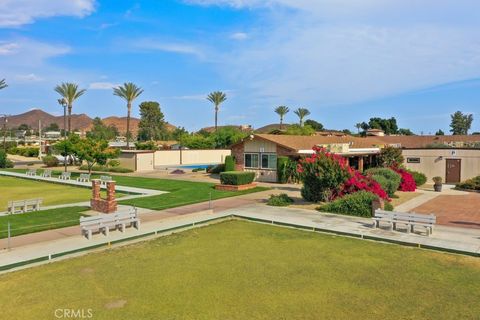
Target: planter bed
pixel 229 187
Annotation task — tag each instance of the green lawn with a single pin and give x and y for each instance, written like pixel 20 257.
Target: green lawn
pixel 52 193
pixel 180 192
pixel 244 270
pixel 40 220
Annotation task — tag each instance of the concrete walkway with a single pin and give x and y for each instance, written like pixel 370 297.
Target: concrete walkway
pixel 443 237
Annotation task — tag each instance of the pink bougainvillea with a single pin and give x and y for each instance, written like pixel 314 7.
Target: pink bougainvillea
pixel 408 182
pixel 327 176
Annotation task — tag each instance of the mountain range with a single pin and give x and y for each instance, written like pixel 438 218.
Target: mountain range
pixel 80 122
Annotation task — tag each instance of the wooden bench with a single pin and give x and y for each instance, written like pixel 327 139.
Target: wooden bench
pixel 104 222
pixel 31 172
pixel 410 220
pixel 104 180
pixel 21 206
pixel 65 176
pixel 47 173
pixel 84 177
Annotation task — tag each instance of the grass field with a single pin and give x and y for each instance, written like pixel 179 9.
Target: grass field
pixel 52 193
pixel 244 270
pixel 180 192
pixel 40 220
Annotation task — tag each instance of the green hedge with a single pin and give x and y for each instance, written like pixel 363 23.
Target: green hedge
pixel 107 169
pixel 388 179
pixel 420 178
pixel 280 200
pixel 229 163
pixel 355 204
pixel 236 177
pixel 4 162
pixel 25 151
pixel 282 165
pixel 470 184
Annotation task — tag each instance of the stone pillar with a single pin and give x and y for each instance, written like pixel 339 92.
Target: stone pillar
pixel 95 189
pixel 110 190
pixel 377 204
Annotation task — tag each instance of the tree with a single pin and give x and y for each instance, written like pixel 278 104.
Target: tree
pixel 391 157
pixel 405 132
pixel 461 123
pixel 94 151
pixel 129 92
pixel 217 98
pixel 152 123
pixel 69 92
pixel 389 126
pixel 317 126
pixel 178 133
pixel 302 113
pixel 359 126
pixel 225 137
pixel 196 141
pixel 281 111
pixel 297 130
pixel 52 127
pixel 3 84
pixel 440 132
pixel 100 131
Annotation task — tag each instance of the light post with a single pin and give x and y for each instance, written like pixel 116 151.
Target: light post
pixel 63 103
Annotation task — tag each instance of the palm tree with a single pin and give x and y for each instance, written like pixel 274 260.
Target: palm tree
pixel 129 92
pixel 358 126
pixel 281 111
pixel 3 84
pixel 69 92
pixel 217 98
pixel 302 113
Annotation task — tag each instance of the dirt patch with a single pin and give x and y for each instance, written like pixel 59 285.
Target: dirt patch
pixel 116 304
pixel 87 271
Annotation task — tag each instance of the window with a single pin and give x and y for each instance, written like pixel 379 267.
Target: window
pixel 413 160
pixel 269 161
pixel 251 160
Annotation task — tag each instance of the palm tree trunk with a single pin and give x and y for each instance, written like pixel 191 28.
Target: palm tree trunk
pixel 129 107
pixel 216 117
pixel 69 118
pixel 281 122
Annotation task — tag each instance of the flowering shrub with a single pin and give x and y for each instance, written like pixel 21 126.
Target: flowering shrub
pixel 322 174
pixel 326 176
pixel 408 182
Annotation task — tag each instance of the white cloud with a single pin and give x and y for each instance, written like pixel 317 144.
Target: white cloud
pixel 8 48
pixel 14 13
pixel 173 47
pixel 31 77
pixel 327 52
pixel 102 85
pixel 239 36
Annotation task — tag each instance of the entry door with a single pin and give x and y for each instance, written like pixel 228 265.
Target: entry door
pixel 453 170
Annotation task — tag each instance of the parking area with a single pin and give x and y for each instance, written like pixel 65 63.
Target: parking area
pixel 454 210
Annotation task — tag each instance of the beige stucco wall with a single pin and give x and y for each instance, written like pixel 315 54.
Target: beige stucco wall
pixel 127 160
pixel 172 157
pixel 145 161
pixel 433 161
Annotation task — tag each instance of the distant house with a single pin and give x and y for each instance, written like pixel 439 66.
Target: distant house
pixel 52 135
pixel 375 132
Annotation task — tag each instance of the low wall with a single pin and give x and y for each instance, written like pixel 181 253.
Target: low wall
pixel 187 157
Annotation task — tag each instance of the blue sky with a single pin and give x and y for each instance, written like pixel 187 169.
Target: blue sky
pixel 344 60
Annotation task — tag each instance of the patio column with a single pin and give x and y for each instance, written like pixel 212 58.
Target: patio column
pixel 360 163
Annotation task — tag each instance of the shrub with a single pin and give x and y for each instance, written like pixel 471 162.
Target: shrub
pixel 281 200
pixel 388 206
pixel 282 165
pixel 4 162
pixel 24 151
pixel 229 163
pixel 322 175
pixel 198 169
pixel 99 168
pixel 236 177
pixel 420 178
pixel 355 204
pixel 113 163
pixel 149 145
pixel 470 184
pixel 358 182
pixel 437 180
pixel 391 157
pixel 217 169
pixel 50 161
pixel 408 183
pixel 388 179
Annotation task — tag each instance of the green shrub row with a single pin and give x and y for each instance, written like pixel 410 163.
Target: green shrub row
pixel 25 152
pixel 4 162
pixel 107 169
pixel 280 200
pixel 355 204
pixel 236 177
pixel 470 184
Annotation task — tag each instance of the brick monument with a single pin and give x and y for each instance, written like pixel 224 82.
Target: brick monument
pixel 97 203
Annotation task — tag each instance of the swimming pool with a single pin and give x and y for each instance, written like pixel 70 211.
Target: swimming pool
pixel 197 166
